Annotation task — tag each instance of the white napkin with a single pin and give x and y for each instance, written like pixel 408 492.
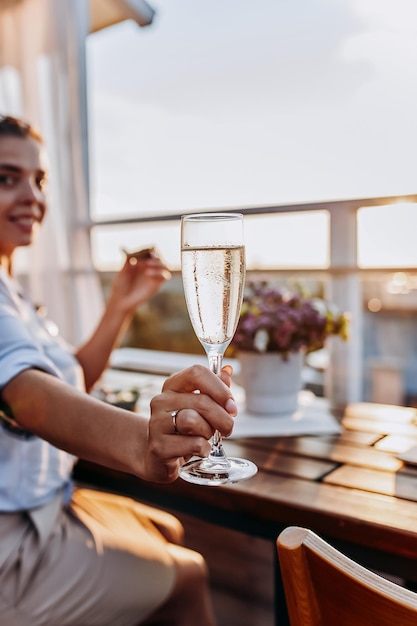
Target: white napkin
pixel 312 417
pixel 409 456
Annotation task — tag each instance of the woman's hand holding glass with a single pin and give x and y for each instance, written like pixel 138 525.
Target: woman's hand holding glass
pixel 198 416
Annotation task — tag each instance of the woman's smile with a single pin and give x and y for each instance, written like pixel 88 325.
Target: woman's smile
pixel 25 221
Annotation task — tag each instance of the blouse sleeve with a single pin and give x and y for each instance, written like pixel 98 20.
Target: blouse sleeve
pixel 20 347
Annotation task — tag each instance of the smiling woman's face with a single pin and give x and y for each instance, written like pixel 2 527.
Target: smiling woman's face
pixel 22 191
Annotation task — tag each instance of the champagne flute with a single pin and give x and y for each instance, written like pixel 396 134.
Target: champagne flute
pixel 213 274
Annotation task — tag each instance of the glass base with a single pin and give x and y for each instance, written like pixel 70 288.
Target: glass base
pixel 206 472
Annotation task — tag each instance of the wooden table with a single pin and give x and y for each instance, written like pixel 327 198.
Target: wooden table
pixel 350 488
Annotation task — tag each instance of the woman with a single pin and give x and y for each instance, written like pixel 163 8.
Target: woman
pixel 78 557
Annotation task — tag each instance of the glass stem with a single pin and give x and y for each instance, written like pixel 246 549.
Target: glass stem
pixel 217 452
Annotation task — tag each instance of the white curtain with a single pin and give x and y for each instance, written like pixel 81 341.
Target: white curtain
pixel 42 78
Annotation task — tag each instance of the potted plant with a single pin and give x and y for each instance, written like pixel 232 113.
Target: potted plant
pixel 279 326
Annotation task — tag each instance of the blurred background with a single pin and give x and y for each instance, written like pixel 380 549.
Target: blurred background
pixel 301 115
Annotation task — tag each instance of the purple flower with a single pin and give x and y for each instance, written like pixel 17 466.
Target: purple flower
pixel 276 320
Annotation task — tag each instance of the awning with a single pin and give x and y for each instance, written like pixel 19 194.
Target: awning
pixel 105 13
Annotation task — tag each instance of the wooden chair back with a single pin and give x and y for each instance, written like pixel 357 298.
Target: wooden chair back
pixel 323 587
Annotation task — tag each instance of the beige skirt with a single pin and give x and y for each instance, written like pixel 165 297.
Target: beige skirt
pixel 102 561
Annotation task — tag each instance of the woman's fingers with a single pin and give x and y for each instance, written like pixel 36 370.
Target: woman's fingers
pixel 198 378
pixel 168 450
pixel 190 422
pixel 193 404
pixel 206 405
pixel 226 374
pixel 196 414
pixel 146 261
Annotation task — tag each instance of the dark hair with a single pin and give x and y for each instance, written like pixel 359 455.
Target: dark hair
pixel 12 126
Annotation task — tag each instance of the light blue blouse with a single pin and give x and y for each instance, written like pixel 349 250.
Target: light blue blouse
pixel 32 471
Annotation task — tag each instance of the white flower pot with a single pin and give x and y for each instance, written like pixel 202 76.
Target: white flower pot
pixel 271 384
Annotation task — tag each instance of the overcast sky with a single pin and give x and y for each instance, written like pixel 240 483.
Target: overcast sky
pixel 228 103
pixel 240 102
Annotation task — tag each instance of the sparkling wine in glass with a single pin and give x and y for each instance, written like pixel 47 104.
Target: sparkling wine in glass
pixel 213 274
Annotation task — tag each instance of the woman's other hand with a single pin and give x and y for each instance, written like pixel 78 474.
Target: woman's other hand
pixel 134 284
pixel 140 278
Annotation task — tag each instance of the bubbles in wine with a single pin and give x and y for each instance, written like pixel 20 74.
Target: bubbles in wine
pixel 213 281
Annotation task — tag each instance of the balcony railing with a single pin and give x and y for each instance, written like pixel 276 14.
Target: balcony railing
pixel 341 273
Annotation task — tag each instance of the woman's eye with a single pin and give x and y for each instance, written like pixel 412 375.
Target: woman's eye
pixel 6 180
